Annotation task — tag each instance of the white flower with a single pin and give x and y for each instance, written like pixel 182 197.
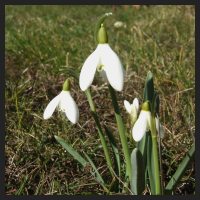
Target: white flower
pixel 65 103
pixel 142 125
pixel 107 63
pixel 132 109
pixel 118 24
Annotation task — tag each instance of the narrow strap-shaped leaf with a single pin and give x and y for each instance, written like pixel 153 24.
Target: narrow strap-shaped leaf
pixel 115 150
pixel 79 158
pixel 70 72
pixel 99 178
pixel 138 172
pixel 149 88
pixel 150 163
pixel 171 186
pixel 98 25
pixel 116 156
pixel 155 170
pixel 148 95
pixel 72 151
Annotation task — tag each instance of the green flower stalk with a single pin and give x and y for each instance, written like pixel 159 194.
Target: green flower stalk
pixel 121 130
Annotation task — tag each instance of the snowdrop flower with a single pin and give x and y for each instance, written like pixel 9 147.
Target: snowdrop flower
pixel 132 109
pixel 64 103
pixel 106 62
pixel 118 24
pixel 143 123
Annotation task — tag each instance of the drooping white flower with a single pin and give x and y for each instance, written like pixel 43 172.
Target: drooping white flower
pixel 106 62
pixel 65 103
pixel 118 24
pixel 142 125
pixel 133 108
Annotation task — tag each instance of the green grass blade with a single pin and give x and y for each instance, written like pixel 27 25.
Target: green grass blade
pixel 98 25
pixel 171 186
pixel 22 186
pixel 99 178
pixel 138 172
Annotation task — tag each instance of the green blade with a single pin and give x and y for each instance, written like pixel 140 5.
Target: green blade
pixel 115 150
pixel 138 172
pixel 171 186
pixel 70 72
pixel 148 95
pixel 99 178
pixel 149 88
pixel 150 163
pixel 72 151
pixel 78 157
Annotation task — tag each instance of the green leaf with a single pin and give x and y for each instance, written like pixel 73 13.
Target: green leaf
pixel 138 172
pixel 171 186
pixel 148 88
pixel 98 25
pixel 78 157
pixel 115 154
pixel 99 178
pixel 150 163
pixel 148 95
pixel 70 72
pixel 115 150
pixel 72 151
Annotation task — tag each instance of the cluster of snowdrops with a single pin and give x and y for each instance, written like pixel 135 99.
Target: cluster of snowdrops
pixel 145 127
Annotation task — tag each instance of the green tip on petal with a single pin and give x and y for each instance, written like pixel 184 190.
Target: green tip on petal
pixel 66 85
pixel 145 106
pixel 102 35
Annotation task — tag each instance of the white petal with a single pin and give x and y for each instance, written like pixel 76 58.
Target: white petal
pixel 88 70
pixel 118 24
pixel 148 117
pixel 127 106
pixel 139 129
pixel 51 106
pixel 113 66
pixel 136 104
pixel 160 127
pixel 69 106
pixel 103 74
pixel 133 112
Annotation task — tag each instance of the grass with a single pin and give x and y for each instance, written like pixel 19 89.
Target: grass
pixel 37 40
